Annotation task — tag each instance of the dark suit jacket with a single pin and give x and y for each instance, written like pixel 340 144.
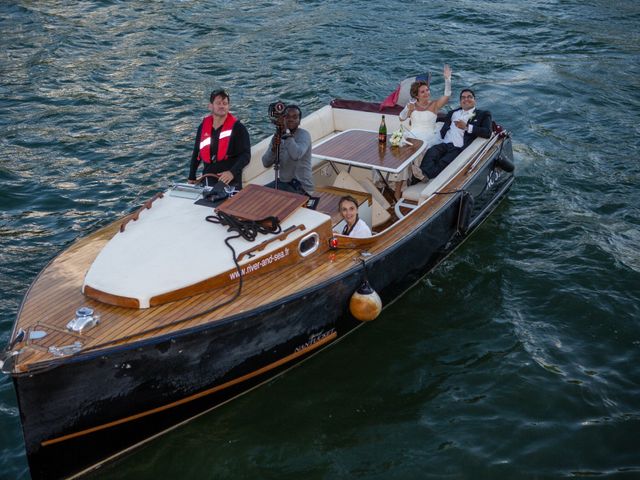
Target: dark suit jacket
pixel 481 126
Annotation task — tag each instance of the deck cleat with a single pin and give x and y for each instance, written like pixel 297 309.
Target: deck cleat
pixel 84 319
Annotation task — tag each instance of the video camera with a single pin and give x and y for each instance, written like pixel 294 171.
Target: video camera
pixel 276 113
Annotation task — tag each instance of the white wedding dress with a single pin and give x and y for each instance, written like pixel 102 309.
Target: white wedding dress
pixel 423 127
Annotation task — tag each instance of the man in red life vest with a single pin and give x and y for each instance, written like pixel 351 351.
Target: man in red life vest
pixel 222 144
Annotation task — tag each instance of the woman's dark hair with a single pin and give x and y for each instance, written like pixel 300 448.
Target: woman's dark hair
pixel 347 198
pixel 415 86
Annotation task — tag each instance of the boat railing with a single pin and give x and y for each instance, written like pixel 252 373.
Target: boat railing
pixel 145 206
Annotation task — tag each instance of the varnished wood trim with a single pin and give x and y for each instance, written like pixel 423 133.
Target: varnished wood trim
pixel 281 236
pixel 230 276
pixel 111 299
pixel 204 393
pixel 134 216
pixel 353 242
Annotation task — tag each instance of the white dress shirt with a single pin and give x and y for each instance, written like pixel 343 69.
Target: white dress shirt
pixel 455 135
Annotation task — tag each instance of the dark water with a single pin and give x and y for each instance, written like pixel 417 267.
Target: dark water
pixel 518 358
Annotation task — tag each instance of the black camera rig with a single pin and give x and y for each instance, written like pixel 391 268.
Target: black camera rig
pixel 276 113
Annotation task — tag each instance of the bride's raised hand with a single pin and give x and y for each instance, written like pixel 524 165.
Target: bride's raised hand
pixel 447 71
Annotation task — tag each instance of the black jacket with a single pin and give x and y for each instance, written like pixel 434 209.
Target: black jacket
pixel 481 122
pixel 238 154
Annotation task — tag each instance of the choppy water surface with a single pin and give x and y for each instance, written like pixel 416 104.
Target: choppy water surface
pixel 517 358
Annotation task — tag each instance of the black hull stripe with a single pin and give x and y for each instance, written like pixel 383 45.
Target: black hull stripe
pixel 204 393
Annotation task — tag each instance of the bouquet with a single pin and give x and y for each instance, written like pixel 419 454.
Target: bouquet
pixel 397 137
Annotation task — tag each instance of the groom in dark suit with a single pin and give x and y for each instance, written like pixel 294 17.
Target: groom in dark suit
pixel 468 123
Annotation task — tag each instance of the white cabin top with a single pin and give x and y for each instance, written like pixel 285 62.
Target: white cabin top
pixel 172 246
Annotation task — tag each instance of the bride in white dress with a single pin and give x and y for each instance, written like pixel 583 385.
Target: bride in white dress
pixel 422 113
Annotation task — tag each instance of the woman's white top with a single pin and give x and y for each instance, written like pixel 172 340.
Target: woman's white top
pixel 360 230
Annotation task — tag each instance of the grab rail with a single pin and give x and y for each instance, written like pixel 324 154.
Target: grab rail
pixel 495 136
pixel 145 205
pixel 478 156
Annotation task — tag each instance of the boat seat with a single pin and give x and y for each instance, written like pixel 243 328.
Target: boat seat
pixel 412 192
pixel 348 119
pixel 319 124
pixel 420 192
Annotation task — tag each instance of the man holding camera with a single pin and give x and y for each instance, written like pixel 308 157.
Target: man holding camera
pixel 222 144
pixel 294 145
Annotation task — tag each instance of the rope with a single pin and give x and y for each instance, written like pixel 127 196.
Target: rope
pixel 247 229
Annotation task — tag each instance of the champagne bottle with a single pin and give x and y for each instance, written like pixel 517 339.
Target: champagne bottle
pixel 382 132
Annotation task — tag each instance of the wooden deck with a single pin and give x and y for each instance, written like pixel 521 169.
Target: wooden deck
pixel 55 295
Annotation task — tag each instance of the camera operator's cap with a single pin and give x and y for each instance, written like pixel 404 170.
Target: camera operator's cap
pixel 221 92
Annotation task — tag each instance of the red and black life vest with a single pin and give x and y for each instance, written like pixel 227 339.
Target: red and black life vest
pixel 223 140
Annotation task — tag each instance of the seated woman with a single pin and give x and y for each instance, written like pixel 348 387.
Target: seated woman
pixel 355 227
pixel 422 113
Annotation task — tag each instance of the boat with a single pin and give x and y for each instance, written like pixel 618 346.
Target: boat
pixel 161 316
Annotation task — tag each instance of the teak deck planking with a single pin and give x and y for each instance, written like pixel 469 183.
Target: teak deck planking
pixel 56 293
pixel 256 202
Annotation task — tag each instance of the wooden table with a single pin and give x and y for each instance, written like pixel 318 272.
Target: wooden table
pixel 361 148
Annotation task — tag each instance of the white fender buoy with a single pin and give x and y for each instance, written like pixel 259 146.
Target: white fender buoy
pixel 365 303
